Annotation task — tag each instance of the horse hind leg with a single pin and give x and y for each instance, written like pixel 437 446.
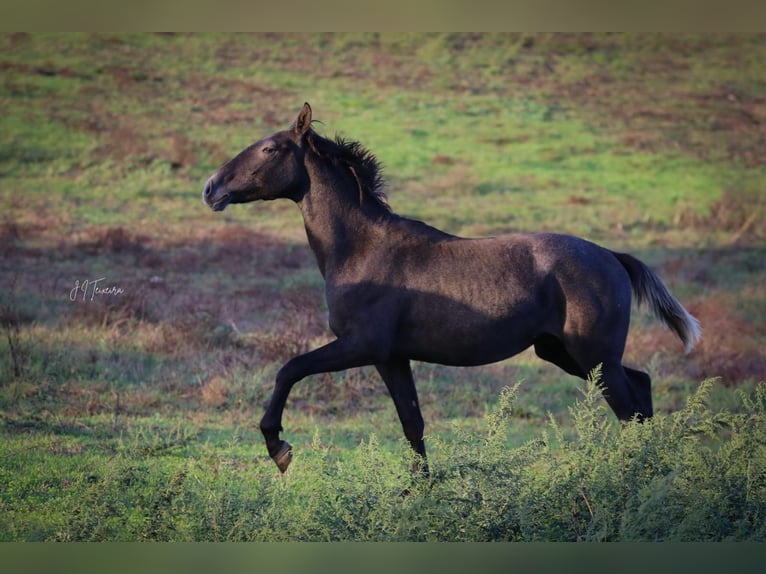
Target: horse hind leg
pixel 551 349
pixel 641 386
pixel 627 391
pixel 620 391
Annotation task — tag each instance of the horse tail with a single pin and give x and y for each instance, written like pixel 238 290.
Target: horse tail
pixel 648 287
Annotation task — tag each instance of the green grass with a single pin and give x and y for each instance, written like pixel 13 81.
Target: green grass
pixel 135 417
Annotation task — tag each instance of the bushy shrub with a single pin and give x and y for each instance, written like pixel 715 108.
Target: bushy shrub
pixel 689 475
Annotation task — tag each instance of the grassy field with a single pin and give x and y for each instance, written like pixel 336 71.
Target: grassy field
pixel 132 414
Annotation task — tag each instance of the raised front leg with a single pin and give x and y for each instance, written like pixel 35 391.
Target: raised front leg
pixel 338 355
pixel 397 375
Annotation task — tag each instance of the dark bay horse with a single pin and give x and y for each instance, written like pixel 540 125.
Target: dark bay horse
pixel 399 290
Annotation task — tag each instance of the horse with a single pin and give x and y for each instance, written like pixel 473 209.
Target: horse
pixel 399 290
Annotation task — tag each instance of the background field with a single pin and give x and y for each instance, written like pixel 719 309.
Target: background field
pixel 134 416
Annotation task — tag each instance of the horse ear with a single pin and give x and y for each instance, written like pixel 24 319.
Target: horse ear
pixel 303 123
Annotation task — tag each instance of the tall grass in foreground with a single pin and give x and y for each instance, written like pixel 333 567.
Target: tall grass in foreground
pixel 690 475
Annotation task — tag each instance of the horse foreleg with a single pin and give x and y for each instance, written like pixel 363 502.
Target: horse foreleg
pixel 338 355
pixel 398 378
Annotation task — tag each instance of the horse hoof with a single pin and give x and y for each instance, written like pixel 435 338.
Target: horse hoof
pixel 284 456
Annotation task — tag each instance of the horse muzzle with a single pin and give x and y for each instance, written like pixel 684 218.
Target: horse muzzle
pixel 214 200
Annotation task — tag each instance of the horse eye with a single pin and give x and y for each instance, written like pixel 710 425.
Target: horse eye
pixel 269 149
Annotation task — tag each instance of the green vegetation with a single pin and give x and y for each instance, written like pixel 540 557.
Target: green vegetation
pixel 677 477
pixel 133 415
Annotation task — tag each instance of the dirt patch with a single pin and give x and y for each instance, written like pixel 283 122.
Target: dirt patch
pixel 731 347
pixel 111 240
pixel 301 324
pixel 12 240
pixel 233 246
pixel 236 276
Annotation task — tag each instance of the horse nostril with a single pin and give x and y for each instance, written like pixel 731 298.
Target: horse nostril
pixel 207 192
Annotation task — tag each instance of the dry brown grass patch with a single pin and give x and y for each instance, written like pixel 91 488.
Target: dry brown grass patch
pixel 215 392
pixel 730 348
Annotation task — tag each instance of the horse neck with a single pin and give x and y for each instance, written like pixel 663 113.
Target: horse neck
pixel 341 222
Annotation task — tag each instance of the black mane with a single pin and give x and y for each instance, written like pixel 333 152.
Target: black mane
pixel 362 162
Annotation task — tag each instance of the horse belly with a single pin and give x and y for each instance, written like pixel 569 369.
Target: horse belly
pixel 462 338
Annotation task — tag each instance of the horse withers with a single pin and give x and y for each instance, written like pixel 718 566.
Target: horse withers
pixel 399 290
